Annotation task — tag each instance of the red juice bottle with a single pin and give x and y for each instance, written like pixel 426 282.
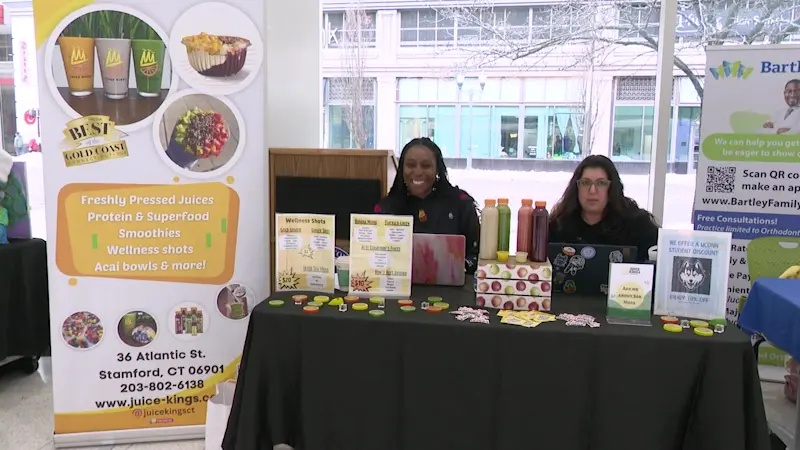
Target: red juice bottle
pixel 524 227
pixel 539 232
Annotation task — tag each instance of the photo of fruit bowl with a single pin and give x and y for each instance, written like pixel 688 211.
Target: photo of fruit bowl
pixel 216 56
pixel 216 48
pixel 199 133
pixel 82 330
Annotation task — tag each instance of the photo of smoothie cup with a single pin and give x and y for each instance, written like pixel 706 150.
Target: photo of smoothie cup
pixel 114 56
pixel 148 65
pixel 78 55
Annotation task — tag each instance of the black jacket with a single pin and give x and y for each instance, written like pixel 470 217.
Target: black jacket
pixel 444 211
pixel 638 230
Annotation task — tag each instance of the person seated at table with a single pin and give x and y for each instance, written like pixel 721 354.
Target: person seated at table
pixel 421 189
pixel 594 210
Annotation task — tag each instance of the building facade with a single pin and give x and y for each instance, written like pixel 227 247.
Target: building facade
pixel 19 92
pixel 416 62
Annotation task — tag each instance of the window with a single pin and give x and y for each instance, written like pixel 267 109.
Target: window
pixel 6 51
pixel 492 24
pixel 637 20
pixel 337 128
pixel 553 132
pixel 338 30
pixel 426 27
pixel 436 122
pixel 633 133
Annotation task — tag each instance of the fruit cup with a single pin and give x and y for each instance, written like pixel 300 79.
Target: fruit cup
pixel 502 256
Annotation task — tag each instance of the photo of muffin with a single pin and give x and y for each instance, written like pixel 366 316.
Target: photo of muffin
pixel 216 48
pixel 137 329
pixel 216 56
pixel 82 330
pixel 235 301
pixel 198 133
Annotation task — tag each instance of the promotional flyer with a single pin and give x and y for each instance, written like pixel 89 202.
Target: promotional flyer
pixel 748 177
pixel 153 116
pixel 380 254
pixel 304 247
pixel 692 274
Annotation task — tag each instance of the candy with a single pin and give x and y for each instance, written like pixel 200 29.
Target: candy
pixel 581 320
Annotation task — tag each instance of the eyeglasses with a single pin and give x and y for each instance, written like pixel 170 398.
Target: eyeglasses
pixel 586 183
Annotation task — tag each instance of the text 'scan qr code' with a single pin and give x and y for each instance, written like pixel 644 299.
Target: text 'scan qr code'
pixel 720 180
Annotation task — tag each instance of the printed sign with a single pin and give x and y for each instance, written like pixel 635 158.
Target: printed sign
pixel 748 175
pixel 156 225
pixel 381 254
pixel 692 273
pixel 304 252
pixel 630 293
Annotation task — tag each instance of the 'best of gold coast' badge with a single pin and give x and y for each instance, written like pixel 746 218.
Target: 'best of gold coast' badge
pixel 92 139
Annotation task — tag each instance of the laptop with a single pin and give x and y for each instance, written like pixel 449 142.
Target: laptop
pixel 583 269
pixel 438 259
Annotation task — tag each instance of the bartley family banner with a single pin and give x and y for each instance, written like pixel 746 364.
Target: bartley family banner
pixel 749 169
pixel 152 116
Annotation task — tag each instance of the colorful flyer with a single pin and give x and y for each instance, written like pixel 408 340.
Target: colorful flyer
pixel 748 174
pixel 692 273
pixel 152 114
pixel 381 254
pixel 630 294
pixel 304 252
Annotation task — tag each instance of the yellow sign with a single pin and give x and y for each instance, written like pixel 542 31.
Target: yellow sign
pixel 380 254
pixel 183 233
pixel 304 248
pixel 96 140
pixel 113 58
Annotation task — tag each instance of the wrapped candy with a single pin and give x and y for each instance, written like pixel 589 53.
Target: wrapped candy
pixel 472 315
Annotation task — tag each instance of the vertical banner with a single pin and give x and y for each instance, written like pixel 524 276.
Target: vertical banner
pixel 381 255
pixel 153 124
pixel 748 178
pixel 304 247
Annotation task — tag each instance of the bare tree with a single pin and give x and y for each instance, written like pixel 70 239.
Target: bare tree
pixel 605 25
pixel 356 24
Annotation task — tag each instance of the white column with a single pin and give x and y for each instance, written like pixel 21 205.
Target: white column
pixel 294 81
pixel 19 14
pixel 665 67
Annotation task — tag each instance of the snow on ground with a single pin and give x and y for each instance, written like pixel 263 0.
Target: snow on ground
pixel 481 184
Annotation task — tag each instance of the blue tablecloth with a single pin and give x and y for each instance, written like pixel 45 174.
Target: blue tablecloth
pixel 773 309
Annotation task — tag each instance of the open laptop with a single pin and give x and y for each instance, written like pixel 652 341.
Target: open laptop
pixel 583 269
pixel 438 259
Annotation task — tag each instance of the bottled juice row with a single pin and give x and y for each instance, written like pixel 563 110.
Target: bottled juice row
pixel 532 225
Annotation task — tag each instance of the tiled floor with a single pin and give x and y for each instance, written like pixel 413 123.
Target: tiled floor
pixel 26 415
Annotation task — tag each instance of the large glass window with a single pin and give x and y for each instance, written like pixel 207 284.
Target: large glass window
pixel 6 51
pixel 338 131
pixel 553 132
pixel 687 142
pixel 339 127
pixel 632 138
pixel 436 122
pixel 9 119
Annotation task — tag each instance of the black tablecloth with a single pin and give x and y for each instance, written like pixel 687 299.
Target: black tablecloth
pixel 24 301
pixel 418 381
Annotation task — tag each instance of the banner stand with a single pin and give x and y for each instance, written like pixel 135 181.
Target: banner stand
pixel 122 437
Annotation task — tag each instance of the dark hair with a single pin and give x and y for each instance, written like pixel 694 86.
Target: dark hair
pixel 398 194
pixel 619 206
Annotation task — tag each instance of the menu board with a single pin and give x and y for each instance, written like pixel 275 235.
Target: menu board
pixel 380 255
pixel 304 252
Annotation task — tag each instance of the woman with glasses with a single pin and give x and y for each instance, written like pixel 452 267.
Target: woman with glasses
pixel 595 210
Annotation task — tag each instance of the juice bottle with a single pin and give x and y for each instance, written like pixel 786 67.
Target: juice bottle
pixel 503 224
pixel 524 226
pixel 539 232
pixel 489 218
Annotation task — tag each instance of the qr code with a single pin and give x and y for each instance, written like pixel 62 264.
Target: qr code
pixel 720 180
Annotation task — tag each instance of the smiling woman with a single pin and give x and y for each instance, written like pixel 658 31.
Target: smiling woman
pixel 421 189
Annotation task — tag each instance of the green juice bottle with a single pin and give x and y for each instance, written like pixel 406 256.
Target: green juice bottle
pixel 503 225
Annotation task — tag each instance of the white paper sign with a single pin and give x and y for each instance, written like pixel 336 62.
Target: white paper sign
pixel 692 273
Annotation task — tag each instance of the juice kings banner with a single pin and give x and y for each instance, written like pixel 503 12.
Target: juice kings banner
pixel 749 171
pixel 153 120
